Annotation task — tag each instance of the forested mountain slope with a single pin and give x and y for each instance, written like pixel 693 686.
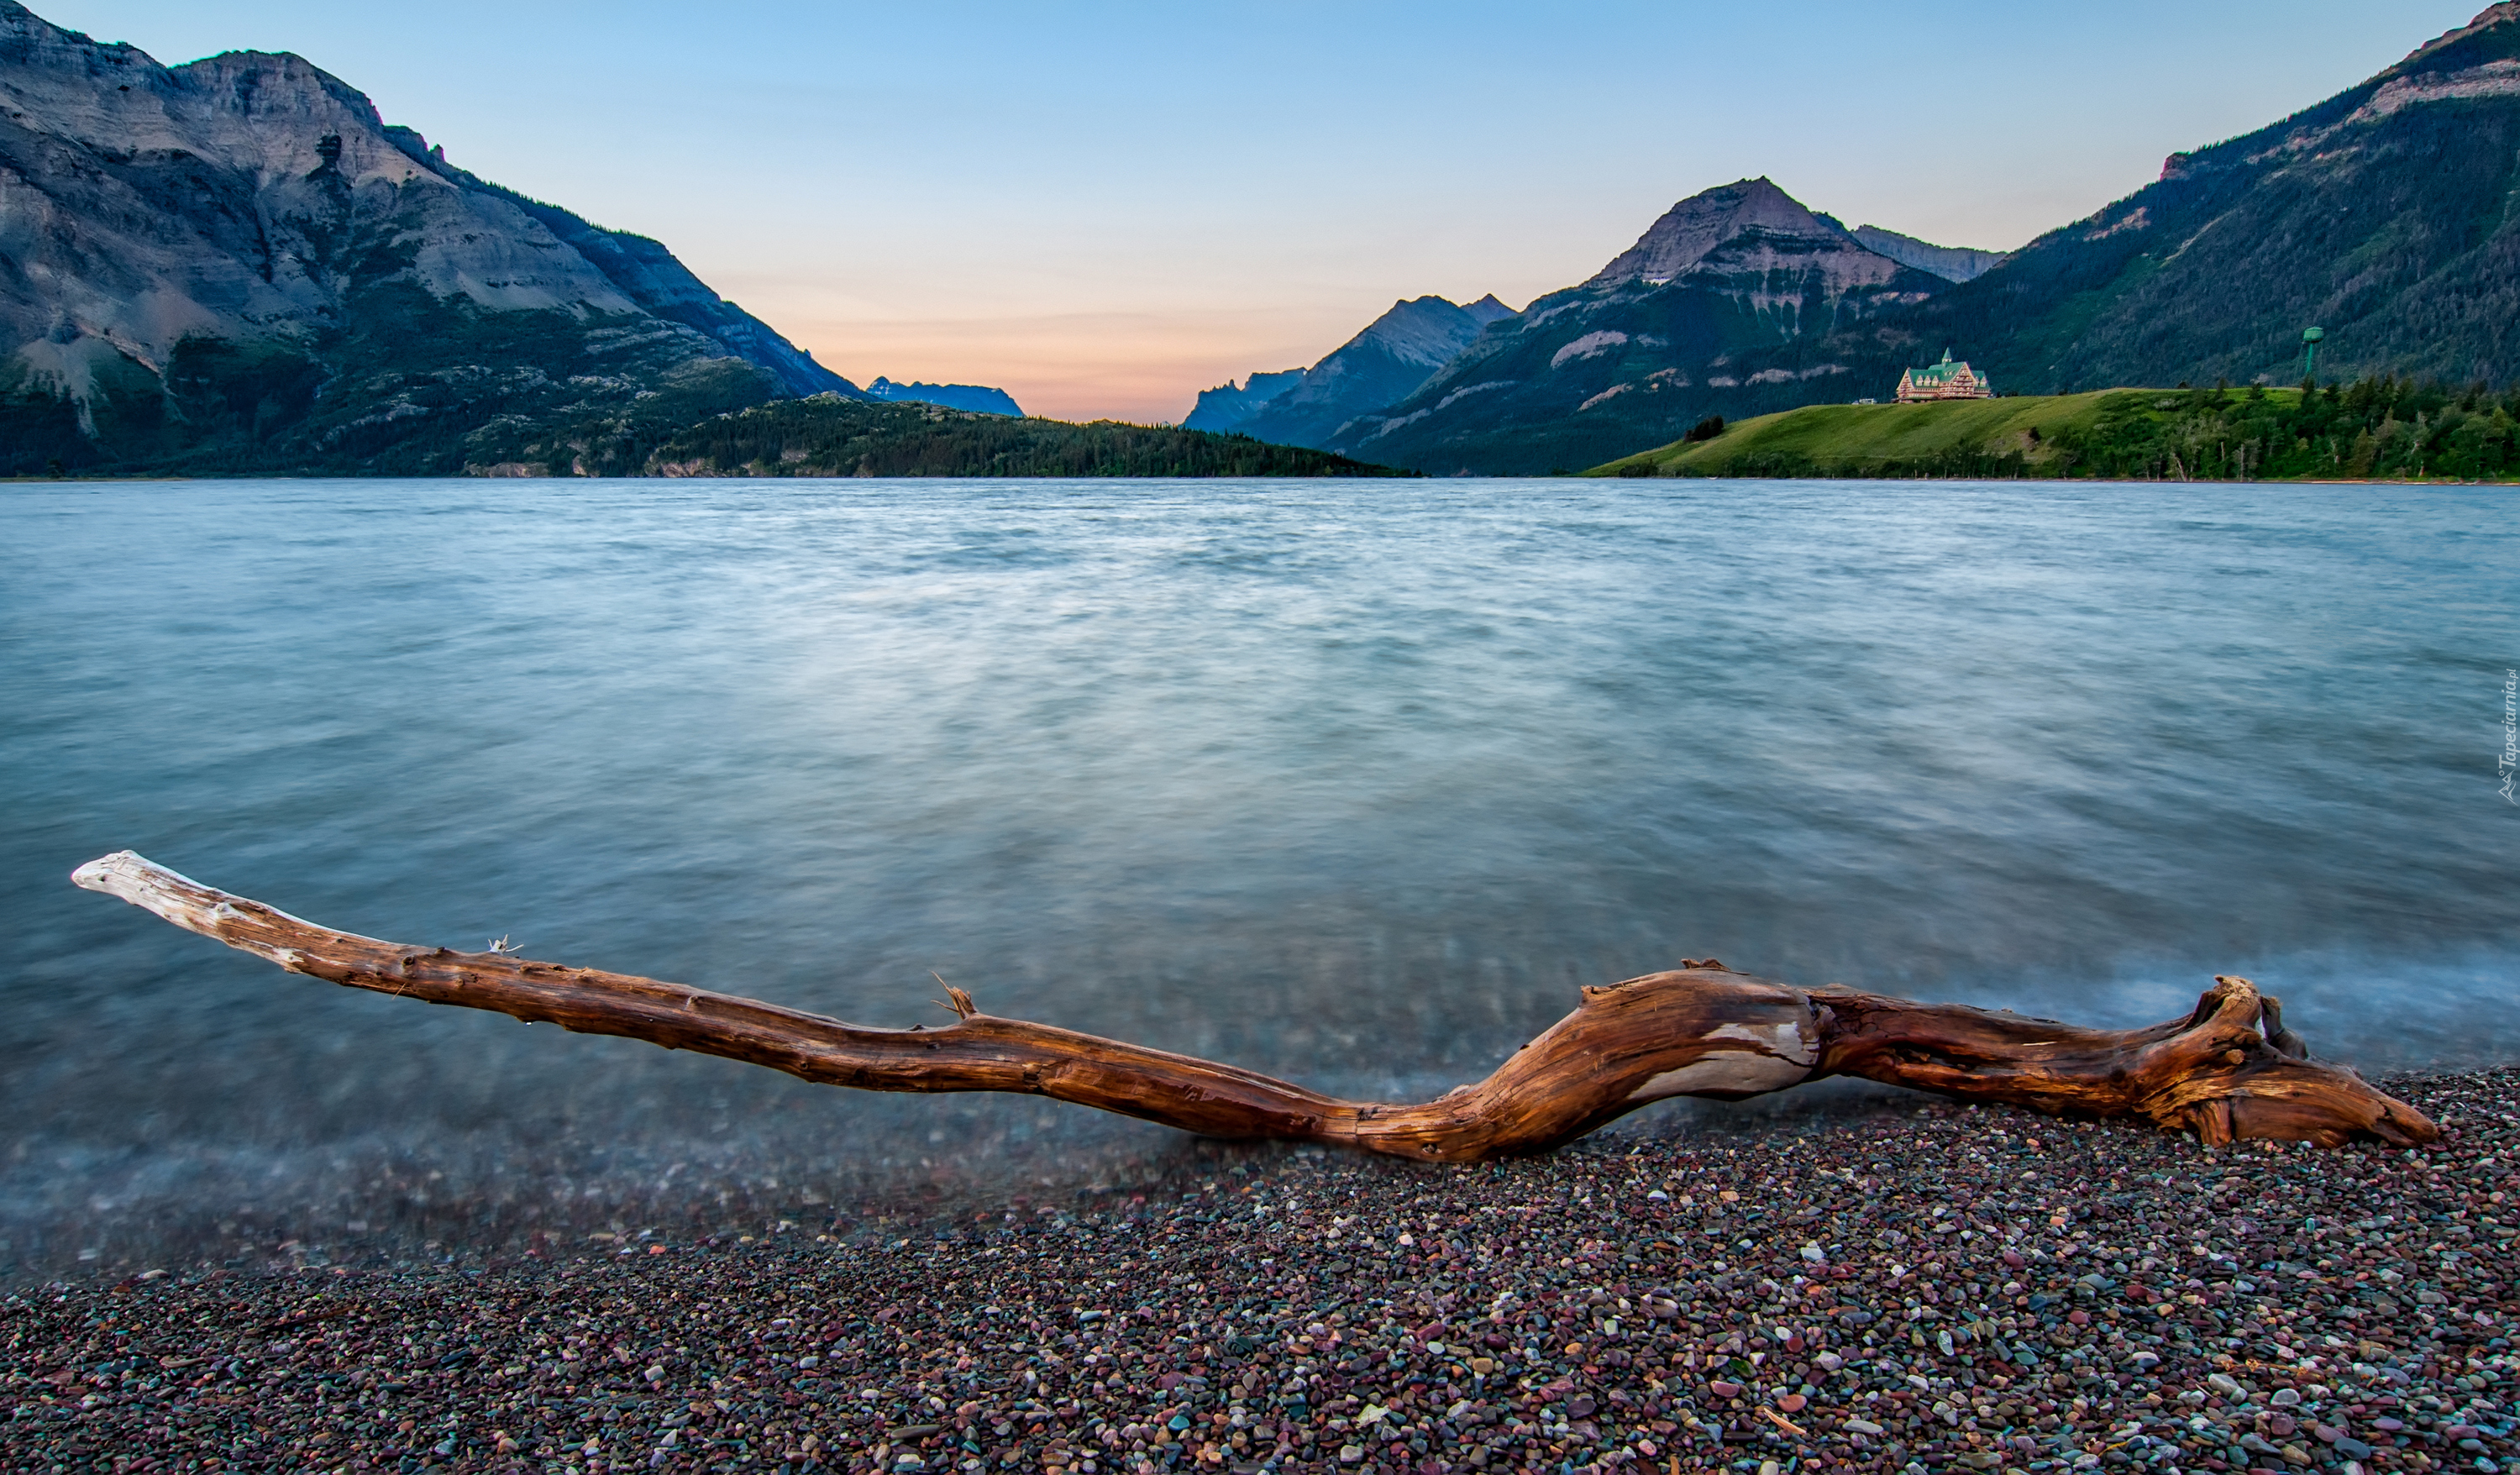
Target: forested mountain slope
pixel 2388 215
pixel 2385 215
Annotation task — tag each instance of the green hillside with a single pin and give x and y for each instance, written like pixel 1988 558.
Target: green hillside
pixel 1881 441
pixel 2375 428
pixel 826 435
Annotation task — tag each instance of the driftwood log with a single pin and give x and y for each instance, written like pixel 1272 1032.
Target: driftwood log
pixel 2229 1070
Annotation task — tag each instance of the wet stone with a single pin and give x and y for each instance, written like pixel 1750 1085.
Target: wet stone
pixel 2088 1297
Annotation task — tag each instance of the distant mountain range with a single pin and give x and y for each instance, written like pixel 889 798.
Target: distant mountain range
pixel 1228 406
pixel 1724 273
pixel 236 265
pixel 978 398
pixel 1484 388
pixel 1392 356
pixel 2382 215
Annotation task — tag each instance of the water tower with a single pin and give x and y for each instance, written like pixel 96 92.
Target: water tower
pixel 2310 340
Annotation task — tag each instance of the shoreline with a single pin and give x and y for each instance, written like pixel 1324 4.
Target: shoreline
pixel 1904 1284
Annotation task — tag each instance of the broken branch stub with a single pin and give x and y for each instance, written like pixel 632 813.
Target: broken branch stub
pixel 2229 1070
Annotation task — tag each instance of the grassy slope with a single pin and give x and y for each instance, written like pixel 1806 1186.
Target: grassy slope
pixel 1854 440
pixel 2387 429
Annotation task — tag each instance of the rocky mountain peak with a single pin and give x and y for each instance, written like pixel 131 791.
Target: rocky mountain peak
pixel 1691 230
pixel 112 96
pixel 1428 331
pixel 29 39
pixel 1379 366
pixel 1488 310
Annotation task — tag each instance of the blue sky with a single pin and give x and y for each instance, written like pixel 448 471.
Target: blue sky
pixel 1106 208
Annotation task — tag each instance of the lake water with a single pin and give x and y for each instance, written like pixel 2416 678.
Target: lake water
pixel 1351 782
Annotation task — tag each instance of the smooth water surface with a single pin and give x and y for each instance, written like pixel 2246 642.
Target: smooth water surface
pixel 1352 781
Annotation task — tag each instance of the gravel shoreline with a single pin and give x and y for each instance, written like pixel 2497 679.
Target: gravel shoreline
pixel 1915 1287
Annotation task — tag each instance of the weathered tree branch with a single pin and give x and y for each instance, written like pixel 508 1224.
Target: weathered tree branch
pixel 2229 1070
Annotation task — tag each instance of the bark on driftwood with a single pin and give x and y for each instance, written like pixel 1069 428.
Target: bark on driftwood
pixel 2229 1070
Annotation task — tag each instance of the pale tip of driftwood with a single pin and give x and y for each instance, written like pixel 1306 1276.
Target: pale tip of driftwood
pixel 98 874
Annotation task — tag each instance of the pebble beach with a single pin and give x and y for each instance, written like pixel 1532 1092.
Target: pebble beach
pixel 1909 1287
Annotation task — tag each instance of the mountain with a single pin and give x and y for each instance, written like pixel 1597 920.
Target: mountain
pixel 2383 215
pixel 1378 366
pixel 1952 263
pixel 978 398
pixel 1624 360
pixel 1229 405
pixel 826 435
pixel 647 275
pixel 236 265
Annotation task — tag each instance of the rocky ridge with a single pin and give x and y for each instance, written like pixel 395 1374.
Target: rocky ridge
pixel 1952 263
pixel 1381 365
pixel 979 398
pixel 236 260
pixel 1229 404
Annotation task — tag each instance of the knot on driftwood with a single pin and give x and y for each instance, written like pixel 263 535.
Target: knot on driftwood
pixel 2270 1017
pixel 961 1004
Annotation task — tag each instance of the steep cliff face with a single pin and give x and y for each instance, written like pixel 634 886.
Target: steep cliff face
pixel 1619 359
pixel 1952 263
pixel 643 271
pixel 235 262
pixel 1378 366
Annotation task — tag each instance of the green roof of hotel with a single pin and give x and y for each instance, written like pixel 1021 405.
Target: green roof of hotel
pixel 1938 372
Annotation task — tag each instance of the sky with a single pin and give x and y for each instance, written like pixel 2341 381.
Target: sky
pixel 1104 208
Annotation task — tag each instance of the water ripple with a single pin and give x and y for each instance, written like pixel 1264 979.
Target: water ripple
pixel 1350 781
